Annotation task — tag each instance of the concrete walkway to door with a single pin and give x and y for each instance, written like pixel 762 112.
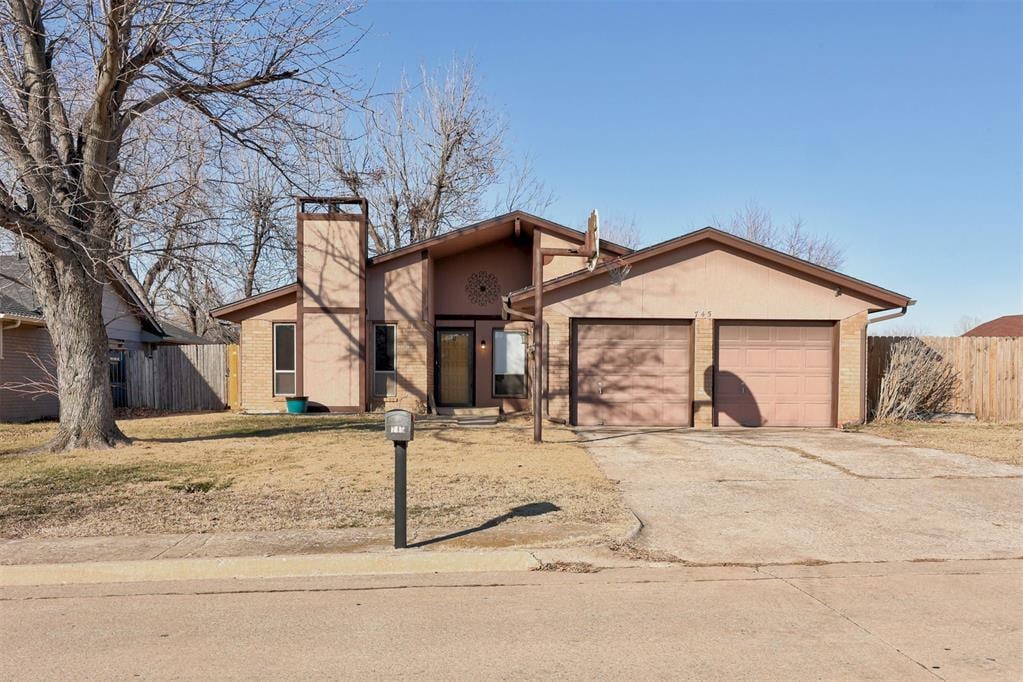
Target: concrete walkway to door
pixel 780 496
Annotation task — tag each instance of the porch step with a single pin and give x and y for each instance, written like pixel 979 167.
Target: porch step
pixel 469 411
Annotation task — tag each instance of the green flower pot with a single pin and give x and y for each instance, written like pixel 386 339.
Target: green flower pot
pixel 297 404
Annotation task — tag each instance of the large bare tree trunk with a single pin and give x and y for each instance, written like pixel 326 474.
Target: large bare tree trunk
pixel 74 318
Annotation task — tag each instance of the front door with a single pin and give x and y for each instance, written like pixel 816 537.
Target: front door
pixel 454 367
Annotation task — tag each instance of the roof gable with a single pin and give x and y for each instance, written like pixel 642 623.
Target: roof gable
pixel 497 223
pixel 873 292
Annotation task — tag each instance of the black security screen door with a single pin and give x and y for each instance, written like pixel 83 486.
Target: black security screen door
pixel 454 367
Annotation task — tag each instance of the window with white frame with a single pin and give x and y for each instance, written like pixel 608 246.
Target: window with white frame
pixel 284 358
pixel 385 376
pixel 509 364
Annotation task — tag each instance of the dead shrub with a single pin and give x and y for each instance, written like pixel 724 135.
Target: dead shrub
pixel 918 384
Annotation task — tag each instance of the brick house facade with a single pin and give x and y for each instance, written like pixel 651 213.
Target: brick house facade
pixel 706 329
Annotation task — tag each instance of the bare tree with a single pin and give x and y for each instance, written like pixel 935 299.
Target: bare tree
pixel 965 324
pixel 620 230
pixel 756 224
pixel 431 160
pixel 79 82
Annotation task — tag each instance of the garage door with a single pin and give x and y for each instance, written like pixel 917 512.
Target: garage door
pixel 632 373
pixel 774 374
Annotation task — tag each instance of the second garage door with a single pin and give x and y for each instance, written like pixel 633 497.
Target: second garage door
pixel 632 373
pixel 774 374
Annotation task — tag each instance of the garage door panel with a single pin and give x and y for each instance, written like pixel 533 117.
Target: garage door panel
pixel 774 374
pixel 758 359
pixel 819 386
pixel 818 358
pixel 631 373
pixel 789 358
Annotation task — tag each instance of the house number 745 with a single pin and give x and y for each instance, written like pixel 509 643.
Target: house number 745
pixel 704 313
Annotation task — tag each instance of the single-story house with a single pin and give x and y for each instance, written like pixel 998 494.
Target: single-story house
pixel 1006 325
pixel 704 329
pixel 25 346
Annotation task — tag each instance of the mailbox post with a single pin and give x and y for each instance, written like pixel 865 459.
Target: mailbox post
pixel 400 427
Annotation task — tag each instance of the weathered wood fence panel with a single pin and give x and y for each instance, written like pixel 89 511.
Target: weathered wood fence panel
pixel 990 383
pixel 177 378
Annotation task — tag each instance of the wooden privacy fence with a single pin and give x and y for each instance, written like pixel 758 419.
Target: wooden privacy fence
pixel 176 378
pixel 990 384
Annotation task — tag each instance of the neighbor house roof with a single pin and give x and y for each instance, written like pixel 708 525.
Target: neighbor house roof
pixel 18 297
pixel 181 336
pixel 1006 325
pixel 871 291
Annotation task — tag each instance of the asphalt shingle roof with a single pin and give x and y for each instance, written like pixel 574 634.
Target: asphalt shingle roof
pixel 17 297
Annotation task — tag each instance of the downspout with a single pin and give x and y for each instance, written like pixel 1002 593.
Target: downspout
pixel 871 320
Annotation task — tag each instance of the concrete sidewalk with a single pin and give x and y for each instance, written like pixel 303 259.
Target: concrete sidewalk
pixel 408 562
pixel 284 543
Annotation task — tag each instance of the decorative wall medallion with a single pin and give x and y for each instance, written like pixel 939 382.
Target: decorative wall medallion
pixel 482 288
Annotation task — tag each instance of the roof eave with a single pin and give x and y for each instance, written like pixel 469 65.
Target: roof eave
pixel 542 223
pixel 256 299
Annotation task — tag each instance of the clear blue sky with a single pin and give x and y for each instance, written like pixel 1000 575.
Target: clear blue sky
pixel 896 127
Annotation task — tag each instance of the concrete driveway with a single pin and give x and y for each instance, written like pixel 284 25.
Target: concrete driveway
pixel 774 496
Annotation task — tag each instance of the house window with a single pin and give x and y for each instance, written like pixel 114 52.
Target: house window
pixel 284 358
pixel 509 364
pixel 385 378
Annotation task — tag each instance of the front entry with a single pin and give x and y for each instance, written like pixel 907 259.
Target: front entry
pixel 454 367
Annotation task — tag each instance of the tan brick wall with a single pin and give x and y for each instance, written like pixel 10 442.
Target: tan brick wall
pixel 851 347
pixel 703 373
pixel 414 346
pixel 558 353
pixel 20 345
pixel 256 348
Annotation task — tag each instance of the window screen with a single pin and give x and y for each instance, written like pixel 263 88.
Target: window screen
pixel 509 364
pixel 384 360
pixel 284 359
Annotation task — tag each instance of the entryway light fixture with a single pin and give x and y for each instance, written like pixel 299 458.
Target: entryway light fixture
pixel 483 344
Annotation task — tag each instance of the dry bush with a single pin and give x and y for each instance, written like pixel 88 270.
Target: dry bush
pixel 918 384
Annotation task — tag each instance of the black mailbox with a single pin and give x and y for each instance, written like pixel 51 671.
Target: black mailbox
pixel 399 425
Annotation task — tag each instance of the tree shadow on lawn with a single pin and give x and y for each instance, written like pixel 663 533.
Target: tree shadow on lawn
pixel 269 432
pixel 522 511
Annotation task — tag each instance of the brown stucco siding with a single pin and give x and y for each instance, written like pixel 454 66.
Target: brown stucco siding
pixel 852 341
pixel 413 365
pixel 20 346
pixel 257 368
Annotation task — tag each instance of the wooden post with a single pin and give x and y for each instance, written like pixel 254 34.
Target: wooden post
pixel 537 338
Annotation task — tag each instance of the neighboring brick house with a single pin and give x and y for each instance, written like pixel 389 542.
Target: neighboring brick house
pixel 25 346
pixel 705 329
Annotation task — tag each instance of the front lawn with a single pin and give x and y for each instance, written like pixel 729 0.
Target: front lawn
pixel 225 472
pixel 999 442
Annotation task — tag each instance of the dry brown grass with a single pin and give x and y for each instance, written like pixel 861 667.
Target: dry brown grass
pixel 999 442
pixel 224 472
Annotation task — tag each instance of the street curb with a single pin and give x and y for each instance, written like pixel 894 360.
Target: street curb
pixel 636 529
pixel 303 566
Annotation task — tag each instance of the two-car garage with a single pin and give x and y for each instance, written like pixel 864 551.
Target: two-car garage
pixel 707 330
pixel 765 373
